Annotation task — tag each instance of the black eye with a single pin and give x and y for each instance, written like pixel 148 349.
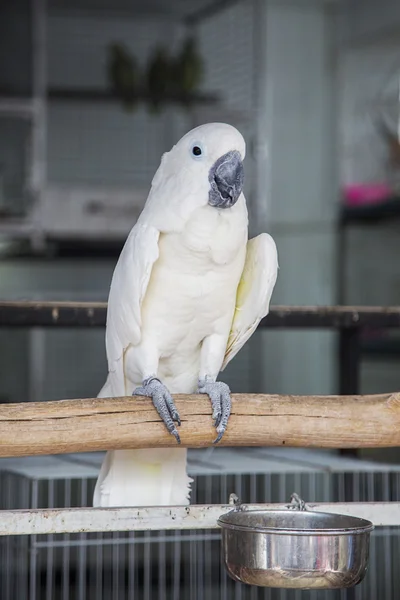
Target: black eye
pixel 196 151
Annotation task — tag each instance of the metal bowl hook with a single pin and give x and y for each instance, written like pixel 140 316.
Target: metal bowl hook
pixel 296 503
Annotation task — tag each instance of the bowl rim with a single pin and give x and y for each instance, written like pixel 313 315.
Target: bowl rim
pixel 364 526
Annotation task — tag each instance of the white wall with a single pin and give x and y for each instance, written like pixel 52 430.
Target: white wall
pixel 297 185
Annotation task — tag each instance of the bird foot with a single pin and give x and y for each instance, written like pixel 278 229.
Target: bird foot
pixel 220 396
pixel 163 403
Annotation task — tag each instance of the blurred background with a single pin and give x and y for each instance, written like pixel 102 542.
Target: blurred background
pixel 92 92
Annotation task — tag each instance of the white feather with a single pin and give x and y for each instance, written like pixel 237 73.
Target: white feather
pixel 128 288
pixel 254 292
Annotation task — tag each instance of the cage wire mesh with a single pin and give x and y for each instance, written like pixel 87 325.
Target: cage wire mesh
pixel 179 565
pixel 101 143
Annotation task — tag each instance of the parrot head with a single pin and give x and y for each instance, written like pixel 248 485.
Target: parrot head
pixel 218 149
pixel 209 160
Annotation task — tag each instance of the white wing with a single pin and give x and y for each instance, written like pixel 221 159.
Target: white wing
pixel 254 292
pixel 128 288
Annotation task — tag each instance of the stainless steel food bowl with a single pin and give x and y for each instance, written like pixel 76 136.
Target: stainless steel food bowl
pixel 295 549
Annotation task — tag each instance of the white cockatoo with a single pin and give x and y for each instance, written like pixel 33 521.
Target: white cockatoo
pixel 188 291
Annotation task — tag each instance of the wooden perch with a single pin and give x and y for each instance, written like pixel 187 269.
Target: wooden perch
pixel 257 420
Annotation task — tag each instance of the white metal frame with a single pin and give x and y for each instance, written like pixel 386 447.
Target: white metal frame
pixel 88 520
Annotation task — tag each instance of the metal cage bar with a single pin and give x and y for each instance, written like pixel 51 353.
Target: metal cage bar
pixel 158 518
pixel 93 314
pixel 350 321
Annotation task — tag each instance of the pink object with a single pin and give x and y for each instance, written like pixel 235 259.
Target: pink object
pixel 359 194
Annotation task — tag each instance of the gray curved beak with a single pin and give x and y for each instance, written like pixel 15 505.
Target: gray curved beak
pixel 226 180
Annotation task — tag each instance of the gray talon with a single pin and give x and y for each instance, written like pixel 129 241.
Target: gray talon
pixel 220 396
pixel 219 437
pixel 163 403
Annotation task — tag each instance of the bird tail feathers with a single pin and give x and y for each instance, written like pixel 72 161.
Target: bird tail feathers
pixel 149 477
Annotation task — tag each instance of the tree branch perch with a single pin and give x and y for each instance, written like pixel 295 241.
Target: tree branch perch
pixel 257 420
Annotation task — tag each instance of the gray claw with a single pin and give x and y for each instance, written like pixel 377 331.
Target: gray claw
pixel 219 437
pixel 220 396
pixel 163 403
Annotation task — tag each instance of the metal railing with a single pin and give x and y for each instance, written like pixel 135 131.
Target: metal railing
pixel 349 321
